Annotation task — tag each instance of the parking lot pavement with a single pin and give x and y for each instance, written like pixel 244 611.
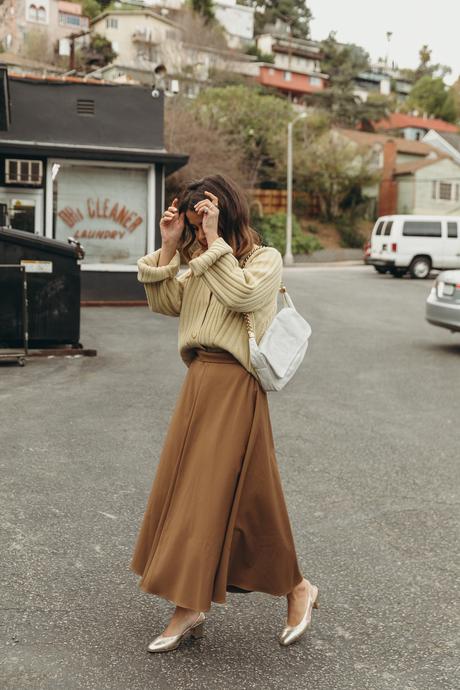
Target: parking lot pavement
pixel 367 437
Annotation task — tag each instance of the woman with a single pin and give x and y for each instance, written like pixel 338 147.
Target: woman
pixel 216 519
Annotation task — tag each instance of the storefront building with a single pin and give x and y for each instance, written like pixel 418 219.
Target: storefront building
pixel 86 160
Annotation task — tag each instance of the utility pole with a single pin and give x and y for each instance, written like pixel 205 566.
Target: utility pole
pixel 288 257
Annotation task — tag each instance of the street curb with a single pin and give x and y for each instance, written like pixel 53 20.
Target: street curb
pixel 338 264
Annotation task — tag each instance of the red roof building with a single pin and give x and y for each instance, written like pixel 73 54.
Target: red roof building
pixel 412 126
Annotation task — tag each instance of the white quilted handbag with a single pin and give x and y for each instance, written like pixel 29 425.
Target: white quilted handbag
pixel 282 347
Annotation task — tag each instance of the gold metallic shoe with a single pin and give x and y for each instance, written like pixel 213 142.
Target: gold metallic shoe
pixel 163 643
pixel 291 633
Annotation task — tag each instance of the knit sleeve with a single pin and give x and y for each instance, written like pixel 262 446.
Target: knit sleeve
pixel 163 289
pixel 239 289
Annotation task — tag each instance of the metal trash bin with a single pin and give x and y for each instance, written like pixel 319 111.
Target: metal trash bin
pixel 53 290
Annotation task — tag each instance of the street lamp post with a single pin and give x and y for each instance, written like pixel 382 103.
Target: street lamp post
pixel 288 257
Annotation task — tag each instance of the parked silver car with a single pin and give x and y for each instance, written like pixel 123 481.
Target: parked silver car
pixel 443 303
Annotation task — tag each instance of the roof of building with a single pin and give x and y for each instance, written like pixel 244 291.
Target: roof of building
pixel 413 166
pixel 403 120
pixel 21 61
pixel 452 138
pixel 57 78
pixel 77 118
pixel 144 12
pixel 418 148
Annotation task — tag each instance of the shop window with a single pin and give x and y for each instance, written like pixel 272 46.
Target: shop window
pixel 104 207
pixel 23 172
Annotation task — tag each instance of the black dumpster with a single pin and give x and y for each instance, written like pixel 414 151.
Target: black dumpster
pixel 53 290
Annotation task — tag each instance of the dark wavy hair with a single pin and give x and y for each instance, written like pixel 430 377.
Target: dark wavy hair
pixel 233 226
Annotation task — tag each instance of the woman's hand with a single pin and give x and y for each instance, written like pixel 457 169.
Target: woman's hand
pixel 171 225
pixel 209 209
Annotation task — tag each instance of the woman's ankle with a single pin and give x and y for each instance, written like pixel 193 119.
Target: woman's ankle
pixel 300 587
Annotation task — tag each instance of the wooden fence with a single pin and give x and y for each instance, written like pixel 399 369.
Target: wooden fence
pixel 266 201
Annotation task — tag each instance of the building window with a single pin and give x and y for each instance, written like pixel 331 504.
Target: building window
pixel 287 76
pixel 445 191
pixel 111 23
pixel 315 81
pixel 23 172
pixel 36 13
pixel 70 19
pixel 103 206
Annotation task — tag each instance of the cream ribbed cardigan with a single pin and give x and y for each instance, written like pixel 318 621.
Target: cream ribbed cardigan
pixel 210 296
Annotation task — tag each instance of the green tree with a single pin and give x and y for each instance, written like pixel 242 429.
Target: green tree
pixel 426 67
pixel 98 53
pixel 332 169
pixel 91 8
pixel 261 57
pixel 342 63
pixel 293 13
pixel 253 122
pixel 430 95
pixel 203 7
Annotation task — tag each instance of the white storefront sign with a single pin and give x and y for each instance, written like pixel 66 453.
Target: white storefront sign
pixel 105 208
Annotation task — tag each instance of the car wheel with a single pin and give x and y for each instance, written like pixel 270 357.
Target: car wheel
pixel 420 267
pixel 397 272
pixel 381 269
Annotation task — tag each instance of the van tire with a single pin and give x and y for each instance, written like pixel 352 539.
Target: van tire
pixel 381 269
pixel 397 272
pixel 420 267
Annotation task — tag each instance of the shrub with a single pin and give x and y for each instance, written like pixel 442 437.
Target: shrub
pixel 350 235
pixel 272 227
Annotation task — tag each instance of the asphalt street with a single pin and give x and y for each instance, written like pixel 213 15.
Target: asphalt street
pixel 368 445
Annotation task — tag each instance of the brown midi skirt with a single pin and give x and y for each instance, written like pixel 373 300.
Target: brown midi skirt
pixel 216 519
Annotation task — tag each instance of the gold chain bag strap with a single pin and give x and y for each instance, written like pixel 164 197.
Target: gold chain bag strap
pixel 281 349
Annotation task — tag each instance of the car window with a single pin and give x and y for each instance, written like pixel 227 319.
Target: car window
pixel 422 228
pixel 380 227
pixel 452 229
pixel 388 227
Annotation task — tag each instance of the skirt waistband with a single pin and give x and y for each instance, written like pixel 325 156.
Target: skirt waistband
pixel 209 356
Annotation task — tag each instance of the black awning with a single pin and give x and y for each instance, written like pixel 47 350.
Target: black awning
pixel 172 161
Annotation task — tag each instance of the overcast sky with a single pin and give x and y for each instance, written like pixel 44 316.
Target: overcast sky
pixel 412 22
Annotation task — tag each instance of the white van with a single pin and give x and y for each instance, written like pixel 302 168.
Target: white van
pixel 415 244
